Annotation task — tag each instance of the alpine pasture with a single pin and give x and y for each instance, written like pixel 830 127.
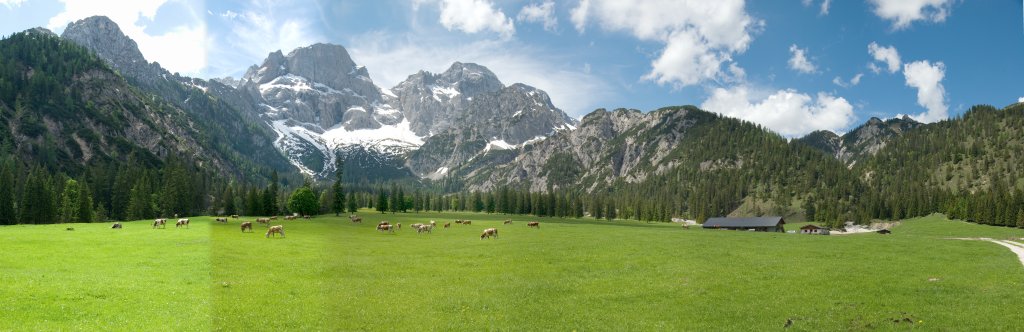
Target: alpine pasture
pixel 332 274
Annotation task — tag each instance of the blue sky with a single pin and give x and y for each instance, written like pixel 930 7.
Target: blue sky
pixel 793 66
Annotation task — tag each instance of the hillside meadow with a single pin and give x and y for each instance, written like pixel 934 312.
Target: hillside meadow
pixel 332 274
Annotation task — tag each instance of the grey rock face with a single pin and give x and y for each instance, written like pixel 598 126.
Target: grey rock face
pixel 861 142
pixel 321 85
pixel 103 36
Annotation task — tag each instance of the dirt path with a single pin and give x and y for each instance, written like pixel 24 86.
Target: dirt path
pixel 1014 246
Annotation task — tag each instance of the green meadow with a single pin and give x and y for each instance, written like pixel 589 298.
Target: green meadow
pixel 332 274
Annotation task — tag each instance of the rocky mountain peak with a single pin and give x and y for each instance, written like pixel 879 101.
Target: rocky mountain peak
pixel 470 79
pixel 103 36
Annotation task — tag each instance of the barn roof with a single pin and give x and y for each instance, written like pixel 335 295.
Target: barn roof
pixel 744 222
pixel 812 226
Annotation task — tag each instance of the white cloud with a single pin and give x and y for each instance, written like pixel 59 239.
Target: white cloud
pixel 927 79
pixel 846 84
pixel 887 55
pixel 799 62
pixel 257 29
pixel 473 16
pixel 699 36
pixel 824 6
pixel 181 49
pixel 540 13
pixel 788 112
pixel 1020 100
pixel 390 59
pixel 904 12
pixel 12 3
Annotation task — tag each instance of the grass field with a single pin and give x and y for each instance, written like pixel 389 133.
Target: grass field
pixel 331 274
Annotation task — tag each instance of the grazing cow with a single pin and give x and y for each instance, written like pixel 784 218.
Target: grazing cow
pixel 279 229
pixel 467 222
pixel 447 224
pixel 273 217
pixel 417 226
pixel 116 225
pixel 181 222
pixel 306 216
pixel 263 221
pixel 533 224
pixel 162 223
pixel 223 220
pixel 385 222
pixel 458 221
pixel 489 233
pixel 425 229
pixel 508 222
pixel 386 228
pixel 399 226
pixel 247 225
pixel 354 218
pixel 234 216
pixel 69 229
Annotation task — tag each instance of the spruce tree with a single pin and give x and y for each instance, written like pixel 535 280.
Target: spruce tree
pixel 229 201
pixel 69 202
pixel 382 201
pixel 7 213
pixel 84 204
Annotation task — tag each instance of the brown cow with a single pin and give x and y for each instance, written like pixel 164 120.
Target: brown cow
pixel 234 216
pixel 279 229
pixel 458 221
pixel 425 229
pixel 116 225
pixel 289 217
pixel 508 222
pixel 247 225
pixel 385 222
pixel 355 218
pixel 273 217
pixel 263 221
pixel 160 222
pixel 386 228
pixel 489 233
pixel 448 224
pixel 533 224
pixel 467 222
pixel 306 216
pixel 181 222
pixel 223 220
pixel 399 226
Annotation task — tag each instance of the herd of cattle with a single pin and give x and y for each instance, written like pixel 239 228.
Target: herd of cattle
pixel 383 226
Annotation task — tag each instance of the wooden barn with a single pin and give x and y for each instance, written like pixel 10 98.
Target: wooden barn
pixel 759 224
pixel 814 229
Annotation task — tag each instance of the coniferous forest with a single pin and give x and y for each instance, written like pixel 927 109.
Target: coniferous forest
pixel 81 144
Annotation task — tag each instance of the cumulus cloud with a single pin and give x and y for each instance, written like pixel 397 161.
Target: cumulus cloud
pixel 798 60
pixel 887 55
pixel 391 58
pixel 180 49
pixel 540 13
pixel 927 79
pixel 846 84
pixel 473 16
pixel 904 12
pixel 1020 100
pixel 257 29
pixel 699 36
pixel 788 112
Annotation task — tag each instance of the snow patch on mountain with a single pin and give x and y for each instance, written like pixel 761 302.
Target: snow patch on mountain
pixel 398 138
pixel 298 141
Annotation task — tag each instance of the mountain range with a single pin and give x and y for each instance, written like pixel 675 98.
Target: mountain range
pixel 298 112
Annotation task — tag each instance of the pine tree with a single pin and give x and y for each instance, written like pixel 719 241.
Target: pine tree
pixel 7 213
pixel 271 201
pixel 229 201
pixel 382 201
pixel 140 205
pixel 69 202
pixel 84 205
pixel 351 202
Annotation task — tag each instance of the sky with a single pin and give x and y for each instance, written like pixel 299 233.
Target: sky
pixel 793 66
